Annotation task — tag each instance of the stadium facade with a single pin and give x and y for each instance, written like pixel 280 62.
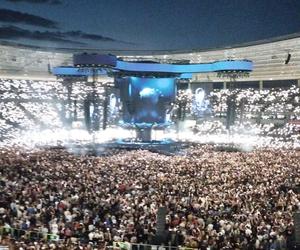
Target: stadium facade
pixel 274 60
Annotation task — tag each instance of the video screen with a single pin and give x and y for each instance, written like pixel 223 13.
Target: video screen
pixel 145 100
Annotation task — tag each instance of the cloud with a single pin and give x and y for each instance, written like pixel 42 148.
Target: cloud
pixel 94 37
pixel 37 1
pixel 12 32
pixel 11 16
pixel 28 46
pixel 80 34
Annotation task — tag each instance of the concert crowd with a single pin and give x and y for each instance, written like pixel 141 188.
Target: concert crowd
pixel 214 199
pixel 268 112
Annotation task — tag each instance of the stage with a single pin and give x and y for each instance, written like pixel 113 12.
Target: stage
pixel 166 147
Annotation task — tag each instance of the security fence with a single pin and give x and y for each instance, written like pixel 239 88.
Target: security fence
pixel 37 236
pixel 17 234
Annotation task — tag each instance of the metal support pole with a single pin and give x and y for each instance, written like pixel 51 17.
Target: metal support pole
pixel 105 111
pixel 261 85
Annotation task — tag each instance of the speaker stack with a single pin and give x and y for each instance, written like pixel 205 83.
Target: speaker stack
pixel 297 229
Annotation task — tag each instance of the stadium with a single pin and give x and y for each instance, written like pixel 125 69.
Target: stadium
pixel 138 148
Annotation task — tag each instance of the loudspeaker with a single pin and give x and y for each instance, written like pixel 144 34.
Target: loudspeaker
pixel 297 228
pixel 49 68
pixel 87 115
pixel 161 220
pixel 161 233
pixel 288 58
pixel 182 85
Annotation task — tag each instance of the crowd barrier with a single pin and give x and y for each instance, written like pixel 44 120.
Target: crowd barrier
pixel 136 246
pixel 18 234
pixel 32 235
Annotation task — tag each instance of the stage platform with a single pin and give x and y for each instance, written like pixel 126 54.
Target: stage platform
pixel 166 147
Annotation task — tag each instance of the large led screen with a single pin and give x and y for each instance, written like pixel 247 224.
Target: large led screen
pixel 145 100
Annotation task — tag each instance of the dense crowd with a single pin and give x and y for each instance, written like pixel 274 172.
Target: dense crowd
pixel 272 113
pixel 279 103
pixel 36 105
pixel 50 199
pixel 214 200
